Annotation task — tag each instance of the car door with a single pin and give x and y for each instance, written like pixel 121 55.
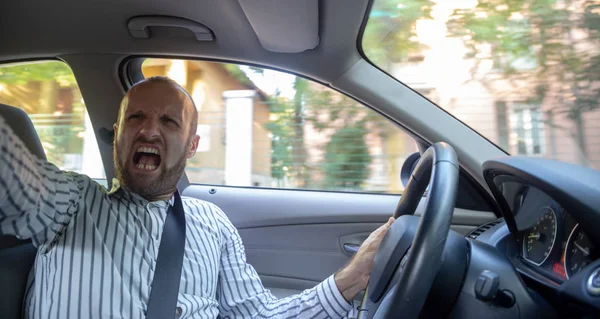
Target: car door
pixel 303 172
pixel 297 238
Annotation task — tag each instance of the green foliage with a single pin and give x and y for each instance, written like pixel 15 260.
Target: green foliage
pixel 536 40
pixel 281 143
pixel 390 35
pixel 288 154
pixel 45 71
pixel 235 71
pixel 347 159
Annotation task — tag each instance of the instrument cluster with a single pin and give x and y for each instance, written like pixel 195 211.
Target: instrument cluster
pixel 552 239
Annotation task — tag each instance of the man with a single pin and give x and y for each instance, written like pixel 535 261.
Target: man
pixel 97 250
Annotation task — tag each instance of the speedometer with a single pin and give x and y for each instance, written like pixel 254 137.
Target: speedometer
pixel 579 251
pixel 539 240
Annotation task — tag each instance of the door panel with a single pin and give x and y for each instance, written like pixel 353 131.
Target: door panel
pixel 283 251
pixel 295 238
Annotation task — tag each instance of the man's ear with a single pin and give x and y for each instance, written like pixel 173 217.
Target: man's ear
pixel 115 130
pixel 193 146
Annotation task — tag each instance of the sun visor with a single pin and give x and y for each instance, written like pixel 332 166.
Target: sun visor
pixel 286 26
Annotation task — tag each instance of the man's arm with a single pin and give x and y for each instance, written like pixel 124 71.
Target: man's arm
pixel 37 199
pixel 242 295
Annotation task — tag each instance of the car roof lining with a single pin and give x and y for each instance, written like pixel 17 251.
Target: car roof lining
pixel 68 27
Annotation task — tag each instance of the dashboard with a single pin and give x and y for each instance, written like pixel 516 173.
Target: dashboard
pixel 548 233
pixel 550 238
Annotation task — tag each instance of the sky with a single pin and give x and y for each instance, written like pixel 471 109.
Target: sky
pixel 270 81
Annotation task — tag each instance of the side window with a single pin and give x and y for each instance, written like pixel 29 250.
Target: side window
pixel 48 93
pixel 265 128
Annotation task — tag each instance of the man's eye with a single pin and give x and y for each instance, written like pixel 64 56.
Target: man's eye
pixel 135 116
pixel 170 121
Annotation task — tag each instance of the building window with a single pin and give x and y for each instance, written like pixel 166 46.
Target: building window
pixel 527 129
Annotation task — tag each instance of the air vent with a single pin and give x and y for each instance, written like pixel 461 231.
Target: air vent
pixel 483 228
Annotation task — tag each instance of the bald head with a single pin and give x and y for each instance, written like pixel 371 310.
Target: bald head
pixel 162 82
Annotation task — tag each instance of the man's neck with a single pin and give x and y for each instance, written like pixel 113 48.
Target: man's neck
pixel 155 198
pixel 166 196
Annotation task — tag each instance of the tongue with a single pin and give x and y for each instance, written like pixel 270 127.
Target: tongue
pixel 149 159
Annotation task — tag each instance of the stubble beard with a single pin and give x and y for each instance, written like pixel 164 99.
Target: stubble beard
pixel 149 188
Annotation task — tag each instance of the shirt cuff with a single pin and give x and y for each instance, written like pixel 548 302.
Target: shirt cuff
pixel 331 299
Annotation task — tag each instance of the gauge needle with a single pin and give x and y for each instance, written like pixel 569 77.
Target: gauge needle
pixel 585 251
pixel 534 236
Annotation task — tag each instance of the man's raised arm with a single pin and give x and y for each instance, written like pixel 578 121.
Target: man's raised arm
pixel 37 199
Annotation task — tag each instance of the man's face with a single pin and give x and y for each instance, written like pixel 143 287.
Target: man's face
pixel 153 139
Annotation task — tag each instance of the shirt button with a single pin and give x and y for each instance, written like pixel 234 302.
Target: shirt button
pixel 178 311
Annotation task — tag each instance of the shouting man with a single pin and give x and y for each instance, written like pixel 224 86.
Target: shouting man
pixel 97 250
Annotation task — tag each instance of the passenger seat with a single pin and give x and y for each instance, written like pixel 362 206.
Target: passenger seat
pixel 17 256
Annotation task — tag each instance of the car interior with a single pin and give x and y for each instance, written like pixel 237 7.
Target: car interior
pixel 478 232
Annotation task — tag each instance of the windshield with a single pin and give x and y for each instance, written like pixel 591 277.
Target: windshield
pixel 524 74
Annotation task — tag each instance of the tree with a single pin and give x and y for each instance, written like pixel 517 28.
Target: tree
pixel 390 35
pixel 347 159
pixel 330 113
pixel 549 47
pixel 54 71
pixel 287 128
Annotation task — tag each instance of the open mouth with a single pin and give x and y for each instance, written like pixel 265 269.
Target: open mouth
pixel 146 158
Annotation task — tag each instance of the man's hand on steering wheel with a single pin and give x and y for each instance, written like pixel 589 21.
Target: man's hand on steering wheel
pixel 355 276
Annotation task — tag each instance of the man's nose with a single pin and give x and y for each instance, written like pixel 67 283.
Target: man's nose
pixel 149 129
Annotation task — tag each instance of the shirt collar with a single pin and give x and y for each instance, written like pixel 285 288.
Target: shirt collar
pixel 117 190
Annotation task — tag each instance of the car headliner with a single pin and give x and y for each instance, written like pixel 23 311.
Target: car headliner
pixel 93 38
pixel 32 29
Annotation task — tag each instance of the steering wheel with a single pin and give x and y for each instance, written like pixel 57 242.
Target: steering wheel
pixel 410 254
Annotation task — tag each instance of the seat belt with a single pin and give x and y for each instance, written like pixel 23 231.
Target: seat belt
pixel 167 275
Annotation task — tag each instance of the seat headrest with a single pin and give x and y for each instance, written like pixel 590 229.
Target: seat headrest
pixel 20 123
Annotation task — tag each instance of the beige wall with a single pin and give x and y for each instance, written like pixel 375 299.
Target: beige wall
pixel 472 102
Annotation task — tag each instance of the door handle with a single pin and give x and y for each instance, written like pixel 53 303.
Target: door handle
pixel 138 26
pixel 351 248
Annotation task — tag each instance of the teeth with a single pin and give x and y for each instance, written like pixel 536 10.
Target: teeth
pixel 146 167
pixel 146 149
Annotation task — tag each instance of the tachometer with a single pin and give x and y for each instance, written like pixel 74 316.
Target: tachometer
pixel 539 239
pixel 578 252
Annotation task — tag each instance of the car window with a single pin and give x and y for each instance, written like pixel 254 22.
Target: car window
pixel 524 74
pixel 48 93
pixel 265 128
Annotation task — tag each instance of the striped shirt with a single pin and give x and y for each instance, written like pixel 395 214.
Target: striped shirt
pixel 97 250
